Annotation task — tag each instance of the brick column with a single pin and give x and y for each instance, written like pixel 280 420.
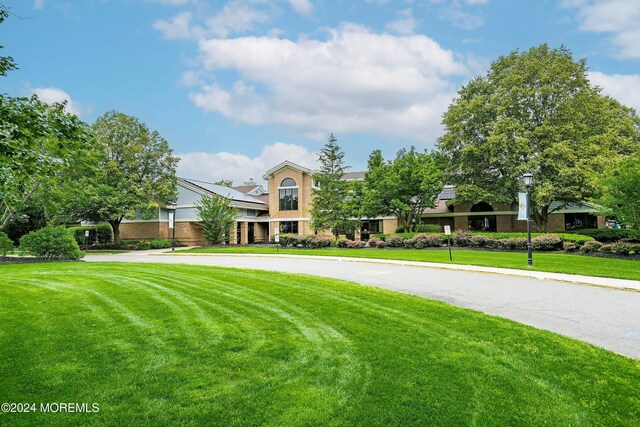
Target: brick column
pixel 244 233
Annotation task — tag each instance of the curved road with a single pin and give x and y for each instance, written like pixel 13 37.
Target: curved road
pixel 606 317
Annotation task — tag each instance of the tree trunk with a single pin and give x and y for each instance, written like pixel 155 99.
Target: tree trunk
pixel 541 217
pixel 115 226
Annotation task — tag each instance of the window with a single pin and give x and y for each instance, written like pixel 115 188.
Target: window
pixel 577 221
pixel 482 222
pixel 289 227
pixel 288 196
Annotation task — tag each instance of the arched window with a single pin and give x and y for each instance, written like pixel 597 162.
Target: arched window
pixel 482 222
pixel 288 195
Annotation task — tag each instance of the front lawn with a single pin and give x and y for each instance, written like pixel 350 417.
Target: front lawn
pixel 542 261
pixel 160 344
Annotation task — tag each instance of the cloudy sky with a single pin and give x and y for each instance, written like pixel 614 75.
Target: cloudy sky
pixel 238 86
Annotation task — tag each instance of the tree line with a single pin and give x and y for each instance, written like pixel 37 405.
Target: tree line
pixel 532 111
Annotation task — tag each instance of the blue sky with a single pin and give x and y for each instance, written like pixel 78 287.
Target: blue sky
pixel 238 86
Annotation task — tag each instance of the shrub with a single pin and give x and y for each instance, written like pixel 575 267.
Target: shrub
pixel 434 240
pixel 51 242
pixel 394 241
pixel 342 243
pixel 286 239
pixel 6 244
pixel 605 248
pixel 549 242
pixel 590 246
pixel 569 247
pixel 462 238
pixel 356 245
pixel 514 244
pixel 374 242
pixel 478 241
pixel 103 234
pixel 381 245
pixel 160 244
pixel 624 248
pixel 319 241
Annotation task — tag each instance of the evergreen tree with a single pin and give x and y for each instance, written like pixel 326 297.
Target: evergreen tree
pixel 331 209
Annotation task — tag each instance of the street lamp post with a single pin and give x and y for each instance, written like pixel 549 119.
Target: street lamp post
pixel 527 177
pixel 172 223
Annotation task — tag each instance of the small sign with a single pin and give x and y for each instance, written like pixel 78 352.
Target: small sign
pixel 522 207
pixel 86 233
pixel 447 230
pixel 172 219
pixel 276 238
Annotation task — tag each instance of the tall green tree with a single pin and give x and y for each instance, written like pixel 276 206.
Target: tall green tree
pixel 330 209
pixel 620 192
pixel 216 217
pixel 537 111
pixel 135 170
pixel 37 142
pixel 403 187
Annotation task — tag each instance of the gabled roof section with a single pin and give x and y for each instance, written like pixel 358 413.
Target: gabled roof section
pixel 251 190
pixel 286 164
pixel 353 176
pixel 230 193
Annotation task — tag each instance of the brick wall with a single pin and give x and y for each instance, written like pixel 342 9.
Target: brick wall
pixel 143 230
pixel 389 225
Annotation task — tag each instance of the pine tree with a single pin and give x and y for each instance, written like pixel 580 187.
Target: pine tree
pixel 330 208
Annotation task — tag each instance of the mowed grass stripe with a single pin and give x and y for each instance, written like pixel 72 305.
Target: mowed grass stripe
pixel 239 347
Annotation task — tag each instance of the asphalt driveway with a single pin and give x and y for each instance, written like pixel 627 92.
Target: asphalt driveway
pixel 606 317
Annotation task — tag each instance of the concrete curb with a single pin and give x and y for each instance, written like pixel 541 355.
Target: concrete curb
pixel 604 282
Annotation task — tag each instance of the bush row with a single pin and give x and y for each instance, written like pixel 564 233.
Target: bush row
pixel 6 244
pixel 151 244
pixel 309 241
pixel 608 235
pixel 619 248
pixel 511 241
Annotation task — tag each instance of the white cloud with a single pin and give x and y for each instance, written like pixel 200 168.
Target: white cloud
pixel 38 4
pixel 463 14
pixel 404 23
pixel 354 81
pixel 179 27
pixel 171 2
pixel 239 167
pixel 233 18
pixel 619 18
pixel 50 95
pixel 624 88
pixel 303 7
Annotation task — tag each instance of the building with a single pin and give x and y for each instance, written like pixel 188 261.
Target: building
pixel 285 206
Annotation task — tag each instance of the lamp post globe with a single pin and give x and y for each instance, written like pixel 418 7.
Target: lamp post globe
pixel 527 178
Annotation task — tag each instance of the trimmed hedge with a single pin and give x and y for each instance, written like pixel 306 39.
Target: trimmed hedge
pixel 501 241
pixel 51 243
pixel 421 228
pixel 308 241
pixel 609 235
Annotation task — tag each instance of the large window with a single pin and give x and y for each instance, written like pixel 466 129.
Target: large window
pixel 288 195
pixel 289 227
pixel 482 222
pixel 577 221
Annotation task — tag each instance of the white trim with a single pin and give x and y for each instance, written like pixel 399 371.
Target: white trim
pixel 288 219
pixel 283 165
pixel 287 188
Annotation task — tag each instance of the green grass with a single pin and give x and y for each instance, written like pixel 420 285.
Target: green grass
pixel 190 345
pixel 553 262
